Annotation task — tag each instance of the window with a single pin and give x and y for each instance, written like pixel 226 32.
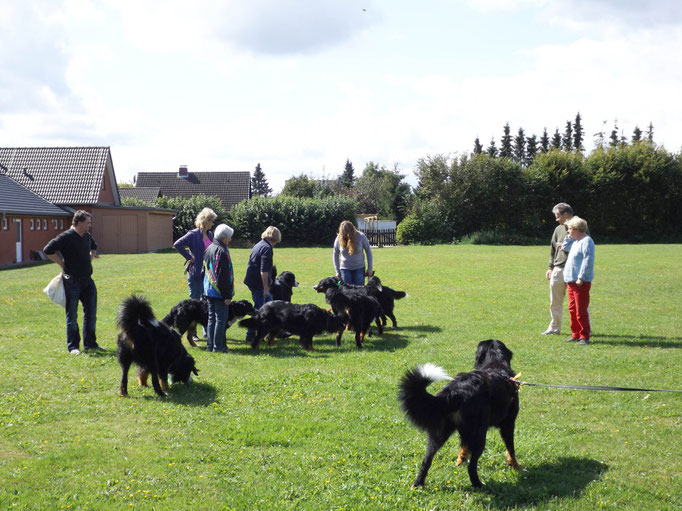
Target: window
pixel 37 224
pixel 44 224
pixel 5 226
pixel 55 224
pixel 61 224
pixel 32 227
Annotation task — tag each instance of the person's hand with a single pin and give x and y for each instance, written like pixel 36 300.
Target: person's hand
pixel 548 274
pixel 191 260
pixel 579 282
pixel 228 302
pixel 369 273
pixel 266 292
pixel 338 275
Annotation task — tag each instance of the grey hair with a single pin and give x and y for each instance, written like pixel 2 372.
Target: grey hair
pixel 562 208
pixel 223 231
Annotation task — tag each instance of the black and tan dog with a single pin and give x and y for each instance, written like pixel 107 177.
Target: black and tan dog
pixel 386 297
pixel 187 314
pixel 305 321
pixel 153 346
pixel 470 404
pixel 282 287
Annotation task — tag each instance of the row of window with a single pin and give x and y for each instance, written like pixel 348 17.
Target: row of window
pixel 38 224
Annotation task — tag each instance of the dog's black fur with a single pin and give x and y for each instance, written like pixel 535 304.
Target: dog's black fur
pixel 282 285
pixel 187 314
pixel 353 306
pixel 304 320
pixel 471 403
pixel 386 297
pixel 155 347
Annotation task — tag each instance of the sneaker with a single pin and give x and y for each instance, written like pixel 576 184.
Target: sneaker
pixel 572 339
pixel 75 351
pixel 584 341
pixel 551 332
pixel 96 347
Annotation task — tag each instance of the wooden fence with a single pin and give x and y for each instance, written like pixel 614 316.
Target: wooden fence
pixel 381 237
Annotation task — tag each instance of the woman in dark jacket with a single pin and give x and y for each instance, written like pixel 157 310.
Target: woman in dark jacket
pixel 258 269
pixel 192 246
pixel 218 287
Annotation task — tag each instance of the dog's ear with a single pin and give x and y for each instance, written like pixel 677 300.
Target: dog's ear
pixel 482 352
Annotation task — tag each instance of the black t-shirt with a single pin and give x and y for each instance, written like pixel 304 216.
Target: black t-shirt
pixel 75 250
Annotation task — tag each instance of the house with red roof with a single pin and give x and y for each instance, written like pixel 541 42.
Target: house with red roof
pixel 41 188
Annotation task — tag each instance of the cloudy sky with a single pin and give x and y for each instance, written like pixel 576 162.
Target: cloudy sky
pixel 299 86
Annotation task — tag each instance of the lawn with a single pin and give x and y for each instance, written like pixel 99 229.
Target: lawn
pixel 281 428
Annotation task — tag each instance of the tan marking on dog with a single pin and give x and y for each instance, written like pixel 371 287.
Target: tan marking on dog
pixel 142 376
pixel 511 461
pixel 463 455
pixel 164 384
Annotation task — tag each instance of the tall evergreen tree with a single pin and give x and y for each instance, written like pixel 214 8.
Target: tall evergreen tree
pixel 259 185
pixel 492 150
pixel 599 136
pixel 347 179
pixel 578 134
pixel 544 141
pixel 520 147
pixel 650 132
pixel 531 150
pixel 636 135
pixel 567 140
pixel 506 143
pixel 614 135
pixel 556 140
pixel 478 148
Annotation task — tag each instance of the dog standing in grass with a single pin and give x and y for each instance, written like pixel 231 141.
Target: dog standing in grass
pixel 470 404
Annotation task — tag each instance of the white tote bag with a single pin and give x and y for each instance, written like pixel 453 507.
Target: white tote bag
pixel 55 291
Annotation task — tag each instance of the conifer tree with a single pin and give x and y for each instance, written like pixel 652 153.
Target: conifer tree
pixel 544 141
pixel 636 135
pixel 531 150
pixel 520 147
pixel 506 143
pixel 578 134
pixel 478 148
pixel 614 134
pixel 492 150
pixel 556 140
pixel 650 132
pixel 259 185
pixel 567 141
pixel 347 179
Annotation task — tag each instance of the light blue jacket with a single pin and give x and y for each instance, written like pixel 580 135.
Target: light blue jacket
pixel 580 261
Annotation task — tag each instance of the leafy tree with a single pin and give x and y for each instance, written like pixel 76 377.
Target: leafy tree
pixel 578 133
pixel 520 147
pixel 636 135
pixel 188 209
pixel 544 141
pixel 556 140
pixel 506 143
pixel 301 186
pixel 478 148
pixel 382 191
pixel 567 140
pixel 347 179
pixel 259 185
pixel 492 150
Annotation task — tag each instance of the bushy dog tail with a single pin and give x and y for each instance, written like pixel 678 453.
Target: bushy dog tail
pixel 135 310
pixel 399 294
pixel 250 323
pixel 423 409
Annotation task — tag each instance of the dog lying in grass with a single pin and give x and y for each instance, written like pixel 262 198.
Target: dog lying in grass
pixel 353 306
pixel 305 321
pixel 187 314
pixel 470 404
pixel 155 347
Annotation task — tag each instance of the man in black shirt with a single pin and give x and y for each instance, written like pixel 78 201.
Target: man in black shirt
pixel 73 251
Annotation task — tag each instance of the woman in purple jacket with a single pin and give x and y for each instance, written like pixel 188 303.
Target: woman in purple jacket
pixel 192 246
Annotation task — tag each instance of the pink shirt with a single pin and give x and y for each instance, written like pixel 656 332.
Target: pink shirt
pixel 207 242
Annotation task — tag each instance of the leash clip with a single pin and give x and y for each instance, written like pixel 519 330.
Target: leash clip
pixel 516 380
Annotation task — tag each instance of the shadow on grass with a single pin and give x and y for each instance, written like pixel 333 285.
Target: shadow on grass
pixel 421 328
pixel 193 394
pixel 565 478
pixel 639 341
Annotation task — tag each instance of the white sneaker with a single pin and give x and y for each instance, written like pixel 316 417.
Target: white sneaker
pixel 551 332
pixel 75 351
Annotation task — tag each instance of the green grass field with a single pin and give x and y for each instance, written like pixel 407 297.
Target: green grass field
pixel 282 428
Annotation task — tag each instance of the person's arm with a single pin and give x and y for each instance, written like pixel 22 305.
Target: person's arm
pixel 587 263
pixel 181 246
pixel 266 268
pixel 56 258
pixel 224 277
pixel 368 251
pixel 265 277
pixel 51 251
pixel 335 257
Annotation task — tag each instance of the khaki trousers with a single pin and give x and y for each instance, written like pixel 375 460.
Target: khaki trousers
pixel 557 292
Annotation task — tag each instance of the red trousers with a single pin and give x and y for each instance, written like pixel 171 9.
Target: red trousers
pixel 578 301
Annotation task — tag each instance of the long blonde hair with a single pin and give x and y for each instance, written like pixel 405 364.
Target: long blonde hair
pixel 348 236
pixel 204 217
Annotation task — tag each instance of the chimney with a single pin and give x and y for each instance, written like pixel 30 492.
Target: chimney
pixel 183 172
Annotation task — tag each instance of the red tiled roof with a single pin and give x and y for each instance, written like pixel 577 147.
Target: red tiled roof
pixel 229 187
pixel 61 175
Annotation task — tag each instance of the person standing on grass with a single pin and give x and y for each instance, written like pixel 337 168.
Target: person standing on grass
pixel 258 269
pixel 73 250
pixel 349 252
pixel 555 274
pixel 218 287
pixel 578 275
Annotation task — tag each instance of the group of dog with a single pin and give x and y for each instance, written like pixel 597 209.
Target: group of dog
pixel 470 404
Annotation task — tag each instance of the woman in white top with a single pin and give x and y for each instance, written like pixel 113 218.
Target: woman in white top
pixel 349 259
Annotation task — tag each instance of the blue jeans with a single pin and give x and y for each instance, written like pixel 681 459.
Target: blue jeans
pixel 354 276
pixel 196 286
pixel 85 291
pixel 258 301
pixel 217 324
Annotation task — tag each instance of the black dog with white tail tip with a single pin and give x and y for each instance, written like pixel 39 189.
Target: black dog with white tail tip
pixel 471 403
